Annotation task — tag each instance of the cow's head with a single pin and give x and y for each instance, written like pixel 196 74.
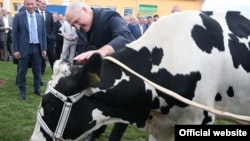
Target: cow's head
pixel 68 86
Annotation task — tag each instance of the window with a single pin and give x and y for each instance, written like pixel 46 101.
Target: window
pixel 128 11
pixel 17 6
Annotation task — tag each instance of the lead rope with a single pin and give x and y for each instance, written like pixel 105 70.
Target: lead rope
pixel 239 118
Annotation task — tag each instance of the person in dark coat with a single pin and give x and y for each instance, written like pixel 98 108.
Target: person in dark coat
pixel 50 33
pixel 59 38
pixel 105 30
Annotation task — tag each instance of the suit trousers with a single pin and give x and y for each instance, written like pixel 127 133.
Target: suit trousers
pixel 35 57
pixel 5 47
pixel 50 54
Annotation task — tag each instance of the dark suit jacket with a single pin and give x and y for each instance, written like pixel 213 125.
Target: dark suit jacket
pixel 20 33
pixel 135 30
pixel 82 42
pixel 108 27
pixel 2 30
pixel 49 25
pixel 22 9
pixel 57 26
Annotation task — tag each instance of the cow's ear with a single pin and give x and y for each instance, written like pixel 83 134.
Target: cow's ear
pixel 93 68
pixel 93 78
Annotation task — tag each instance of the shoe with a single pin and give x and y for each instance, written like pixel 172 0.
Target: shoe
pixel 38 93
pixel 42 83
pixel 22 96
pixel 90 137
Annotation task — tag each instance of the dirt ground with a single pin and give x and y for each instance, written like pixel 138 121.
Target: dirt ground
pixel 1 82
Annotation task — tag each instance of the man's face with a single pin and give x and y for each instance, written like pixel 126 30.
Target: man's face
pixel 38 3
pixel 30 5
pixel 80 20
pixel 42 5
pixel 4 11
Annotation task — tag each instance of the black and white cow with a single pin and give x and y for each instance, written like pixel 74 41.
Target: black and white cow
pixel 203 57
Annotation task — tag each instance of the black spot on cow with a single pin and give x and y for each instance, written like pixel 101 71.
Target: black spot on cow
pixel 157 55
pixel 165 110
pixel 230 92
pixel 186 89
pixel 218 97
pixel 150 117
pixel 239 28
pixel 239 51
pixel 155 103
pixel 207 118
pixel 135 59
pixel 209 13
pixel 209 35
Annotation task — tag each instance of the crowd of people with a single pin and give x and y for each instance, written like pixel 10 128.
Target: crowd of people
pixel 35 36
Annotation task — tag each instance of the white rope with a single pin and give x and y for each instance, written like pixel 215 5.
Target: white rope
pixel 239 118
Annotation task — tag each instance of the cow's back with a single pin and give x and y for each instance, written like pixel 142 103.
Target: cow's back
pixel 214 44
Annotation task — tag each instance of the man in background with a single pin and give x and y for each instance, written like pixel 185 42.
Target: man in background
pixel 8 21
pixel 29 47
pixel 50 33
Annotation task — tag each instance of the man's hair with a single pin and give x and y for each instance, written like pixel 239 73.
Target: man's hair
pixel 149 17
pixel 75 6
pixel 156 16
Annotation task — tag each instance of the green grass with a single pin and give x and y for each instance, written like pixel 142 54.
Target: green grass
pixel 17 118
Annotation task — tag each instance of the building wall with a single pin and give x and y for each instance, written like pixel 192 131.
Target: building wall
pixel 163 6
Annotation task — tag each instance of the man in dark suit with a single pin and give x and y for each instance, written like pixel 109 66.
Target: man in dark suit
pixel 107 32
pixel 50 33
pixel 15 61
pixel 59 38
pixel 29 45
pixel 138 29
pixel 23 7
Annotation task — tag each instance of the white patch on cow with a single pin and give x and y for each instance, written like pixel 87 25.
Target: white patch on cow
pixel 90 91
pixel 37 134
pixel 155 69
pixel 123 77
pixel 245 41
pixel 101 119
pixel 163 102
pixel 60 69
pixel 98 116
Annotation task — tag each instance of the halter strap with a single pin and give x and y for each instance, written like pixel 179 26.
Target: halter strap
pixel 64 114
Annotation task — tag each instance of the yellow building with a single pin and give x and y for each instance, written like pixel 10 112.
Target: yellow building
pixel 124 7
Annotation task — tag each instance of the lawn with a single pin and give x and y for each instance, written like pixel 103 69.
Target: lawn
pixel 17 118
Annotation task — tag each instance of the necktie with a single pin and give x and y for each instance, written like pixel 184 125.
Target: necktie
pixel 33 30
pixel 43 15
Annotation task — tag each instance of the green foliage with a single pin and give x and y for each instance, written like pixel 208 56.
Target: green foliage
pixel 17 118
